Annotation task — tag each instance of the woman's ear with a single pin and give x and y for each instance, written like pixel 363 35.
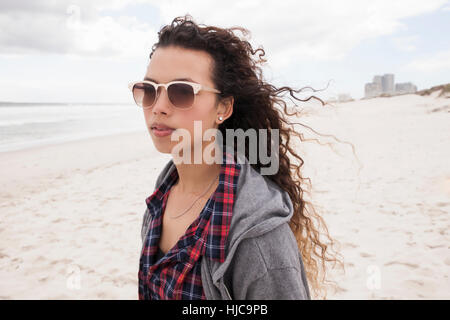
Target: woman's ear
pixel 225 108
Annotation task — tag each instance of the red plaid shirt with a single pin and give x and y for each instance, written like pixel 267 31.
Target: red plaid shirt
pixel 177 274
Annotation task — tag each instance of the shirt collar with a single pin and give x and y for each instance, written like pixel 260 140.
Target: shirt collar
pixel 223 200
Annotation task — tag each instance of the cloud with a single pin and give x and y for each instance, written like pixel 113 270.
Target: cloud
pixel 288 30
pixel 407 43
pixel 123 36
pixel 304 30
pixel 437 62
pixel 75 28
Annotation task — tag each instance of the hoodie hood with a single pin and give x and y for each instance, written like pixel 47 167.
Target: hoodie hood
pixel 260 206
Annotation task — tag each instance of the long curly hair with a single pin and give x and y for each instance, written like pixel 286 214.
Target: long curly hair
pixel 256 105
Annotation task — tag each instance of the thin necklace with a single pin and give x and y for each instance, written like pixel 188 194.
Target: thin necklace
pixel 196 199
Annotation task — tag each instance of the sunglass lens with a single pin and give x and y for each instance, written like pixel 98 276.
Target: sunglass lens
pixel 181 95
pixel 144 94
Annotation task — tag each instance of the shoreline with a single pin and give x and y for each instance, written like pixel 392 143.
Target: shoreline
pixel 23 146
pixel 30 167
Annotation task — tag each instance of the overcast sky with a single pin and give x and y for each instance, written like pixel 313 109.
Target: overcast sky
pixel 88 50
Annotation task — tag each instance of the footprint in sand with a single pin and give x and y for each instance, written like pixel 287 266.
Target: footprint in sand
pixel 442 204
pixel 414 284
pixel 349 244
pixel 62 261
pixel 410 265
pixel 39 259
pixel 18 260
pixel 350 264
pixel 436 246
pixel 365 255
pixel 3 255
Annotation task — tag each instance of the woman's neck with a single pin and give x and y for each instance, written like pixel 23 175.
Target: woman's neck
pixel 195 178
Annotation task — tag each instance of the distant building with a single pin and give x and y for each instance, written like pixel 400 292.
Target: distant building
pixel 406 87
pixel 384 85
pixel 378 80
pixel 387 83
pixel 373 89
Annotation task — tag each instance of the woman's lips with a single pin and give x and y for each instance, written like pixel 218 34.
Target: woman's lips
pixel 162 132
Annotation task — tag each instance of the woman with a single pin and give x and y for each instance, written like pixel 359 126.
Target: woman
pixel 220 229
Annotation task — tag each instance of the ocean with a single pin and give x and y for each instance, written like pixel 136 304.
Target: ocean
pixel 24 125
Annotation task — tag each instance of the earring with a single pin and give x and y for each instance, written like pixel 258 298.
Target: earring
pixel 220 118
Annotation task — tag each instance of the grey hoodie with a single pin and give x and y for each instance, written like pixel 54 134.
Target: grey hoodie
pixel 262 257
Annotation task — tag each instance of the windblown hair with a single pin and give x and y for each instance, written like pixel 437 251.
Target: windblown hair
pixel 235 73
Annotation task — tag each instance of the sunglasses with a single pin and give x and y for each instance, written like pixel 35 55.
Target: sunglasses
pixel 181 93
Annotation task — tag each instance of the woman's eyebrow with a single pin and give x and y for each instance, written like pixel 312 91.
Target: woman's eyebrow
pixel 178 79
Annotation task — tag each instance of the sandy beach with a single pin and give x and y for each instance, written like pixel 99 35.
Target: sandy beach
pixel 71 213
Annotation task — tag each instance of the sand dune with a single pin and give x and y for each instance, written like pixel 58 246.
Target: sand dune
pixel 392 216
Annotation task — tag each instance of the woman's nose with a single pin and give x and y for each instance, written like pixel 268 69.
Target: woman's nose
pixel 162 102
